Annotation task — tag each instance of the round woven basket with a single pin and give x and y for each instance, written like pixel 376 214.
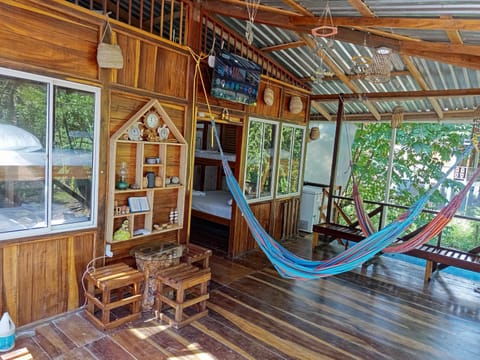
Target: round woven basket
pixel 268 96
pixel 296 105
pixel 314 133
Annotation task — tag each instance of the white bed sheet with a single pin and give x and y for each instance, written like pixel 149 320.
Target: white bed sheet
pixel 213 202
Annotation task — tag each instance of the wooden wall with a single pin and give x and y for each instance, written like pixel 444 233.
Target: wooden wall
pixel 41 277
pixel 278 217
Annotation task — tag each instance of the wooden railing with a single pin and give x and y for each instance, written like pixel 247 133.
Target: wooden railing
pixel 168 19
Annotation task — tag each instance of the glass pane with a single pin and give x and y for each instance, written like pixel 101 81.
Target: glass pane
pixel 72 156
pixel 260 159
pixel 268 157
pixel 255 131
pixel 296 160
pixel 23 113
pixel 290 160
pixel 285 159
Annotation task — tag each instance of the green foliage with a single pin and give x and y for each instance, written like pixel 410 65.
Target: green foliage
pixel 421 152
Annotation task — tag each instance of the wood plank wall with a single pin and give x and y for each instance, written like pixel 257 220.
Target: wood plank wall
pixel 41 277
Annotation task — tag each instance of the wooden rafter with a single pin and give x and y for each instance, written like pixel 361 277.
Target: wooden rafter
pixel 361 7
pixel 289 45
pixel 400 94
pixel 341 75
pixel 394 23
pixel 296 6
pixel 322 110
pixel 463 55
pixel 423 84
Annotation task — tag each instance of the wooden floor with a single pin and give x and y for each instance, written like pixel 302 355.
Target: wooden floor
pixel 383 312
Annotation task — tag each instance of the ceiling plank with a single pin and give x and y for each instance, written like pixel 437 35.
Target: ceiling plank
pixel 460 116
pixel 399 94
pixel 385 34
pixel 359 76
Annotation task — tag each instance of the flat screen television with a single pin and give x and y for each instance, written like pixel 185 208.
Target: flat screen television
pixel 235 78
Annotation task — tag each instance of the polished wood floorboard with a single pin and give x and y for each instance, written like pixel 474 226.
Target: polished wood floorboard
pixel 380 312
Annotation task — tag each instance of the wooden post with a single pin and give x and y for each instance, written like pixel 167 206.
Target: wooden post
pixel 336 145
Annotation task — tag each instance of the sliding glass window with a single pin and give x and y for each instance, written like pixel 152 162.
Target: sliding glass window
pixel 48 154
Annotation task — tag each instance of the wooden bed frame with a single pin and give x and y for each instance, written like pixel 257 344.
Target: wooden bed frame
pixel 210 217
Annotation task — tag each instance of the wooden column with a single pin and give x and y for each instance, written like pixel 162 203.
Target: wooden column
pixel 336 145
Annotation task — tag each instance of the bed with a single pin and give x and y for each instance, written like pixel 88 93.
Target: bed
pixel 215 206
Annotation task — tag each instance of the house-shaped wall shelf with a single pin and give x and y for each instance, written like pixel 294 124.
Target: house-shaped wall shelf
pixel 148 156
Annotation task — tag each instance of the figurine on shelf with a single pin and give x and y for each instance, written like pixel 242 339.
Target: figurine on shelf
pixel 123 233
pixel 173 216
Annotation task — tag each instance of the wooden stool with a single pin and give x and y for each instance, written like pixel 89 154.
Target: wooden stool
pixel 188 286
pixel 195 254
pixel 113 287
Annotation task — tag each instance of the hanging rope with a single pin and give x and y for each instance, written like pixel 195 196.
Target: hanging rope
pixel 252 9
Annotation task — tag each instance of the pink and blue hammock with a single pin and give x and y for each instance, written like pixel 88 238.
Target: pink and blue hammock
pixel 428 231
pixel 292 266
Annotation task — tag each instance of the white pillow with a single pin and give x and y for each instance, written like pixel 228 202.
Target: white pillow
pixel 15 138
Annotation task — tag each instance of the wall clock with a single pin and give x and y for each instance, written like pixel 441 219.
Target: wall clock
pixel 152 120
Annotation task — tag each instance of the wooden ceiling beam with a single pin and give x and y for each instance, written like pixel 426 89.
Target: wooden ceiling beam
pixel 423 84
pixel 297 7
pixel 322 110
pixel 290 45
pixel 362 8
pixel 450 116
pixel 393 22
pixel 429 50
pixel 406 95
pixel 339 72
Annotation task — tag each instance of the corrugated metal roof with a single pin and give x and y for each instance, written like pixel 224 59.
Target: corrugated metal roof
pixel 304 63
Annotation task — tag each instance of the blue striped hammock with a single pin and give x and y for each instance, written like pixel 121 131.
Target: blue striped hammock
pixel 292 266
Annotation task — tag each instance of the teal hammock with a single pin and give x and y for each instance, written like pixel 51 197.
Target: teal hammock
pixel 292 266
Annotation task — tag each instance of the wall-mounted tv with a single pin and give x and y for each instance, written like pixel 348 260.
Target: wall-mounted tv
pixel 235 78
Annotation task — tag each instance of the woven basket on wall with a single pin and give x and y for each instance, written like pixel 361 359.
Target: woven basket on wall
pixel 109 56
pixel 296 105
pixel 268 96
